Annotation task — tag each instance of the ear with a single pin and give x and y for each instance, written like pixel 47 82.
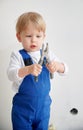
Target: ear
pixel 18 37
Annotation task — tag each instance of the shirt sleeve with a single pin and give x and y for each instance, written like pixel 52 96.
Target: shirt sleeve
pixel 15 64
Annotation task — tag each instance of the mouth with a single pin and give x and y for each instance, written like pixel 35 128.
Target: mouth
pixel 33 46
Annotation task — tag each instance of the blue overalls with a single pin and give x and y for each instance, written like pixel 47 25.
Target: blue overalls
pixel 31 105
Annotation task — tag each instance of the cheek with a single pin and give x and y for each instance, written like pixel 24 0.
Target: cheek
pixel 25 41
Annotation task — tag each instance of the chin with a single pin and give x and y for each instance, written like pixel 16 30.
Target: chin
pixel 32 49
pixel 35 49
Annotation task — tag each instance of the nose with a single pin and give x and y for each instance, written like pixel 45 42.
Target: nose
pixel 33 38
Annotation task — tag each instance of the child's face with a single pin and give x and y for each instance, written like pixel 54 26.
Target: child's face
pixel 31 38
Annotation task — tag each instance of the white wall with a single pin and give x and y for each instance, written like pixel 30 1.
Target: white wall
pixel 64 20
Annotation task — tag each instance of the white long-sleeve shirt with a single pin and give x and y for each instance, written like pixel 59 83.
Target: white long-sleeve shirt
pixel 16 62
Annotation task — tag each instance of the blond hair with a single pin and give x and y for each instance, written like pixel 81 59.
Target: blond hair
pixel 24 20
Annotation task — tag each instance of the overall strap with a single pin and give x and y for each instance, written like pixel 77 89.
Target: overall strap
pixel 26 57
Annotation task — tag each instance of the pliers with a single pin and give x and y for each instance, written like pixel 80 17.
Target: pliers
pixel 44 53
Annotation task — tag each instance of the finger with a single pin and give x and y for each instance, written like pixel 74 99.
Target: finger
pixel 38 69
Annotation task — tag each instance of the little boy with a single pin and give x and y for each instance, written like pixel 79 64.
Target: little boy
pixel 31 103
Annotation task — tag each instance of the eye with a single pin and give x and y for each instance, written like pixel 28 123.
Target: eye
pixel 38 36
pixel 28 36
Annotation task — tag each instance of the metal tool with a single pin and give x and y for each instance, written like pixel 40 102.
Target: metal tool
pixel 44 53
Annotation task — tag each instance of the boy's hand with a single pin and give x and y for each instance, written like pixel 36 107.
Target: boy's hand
pixel 55 66
pixel 35 69
pixel 52 66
